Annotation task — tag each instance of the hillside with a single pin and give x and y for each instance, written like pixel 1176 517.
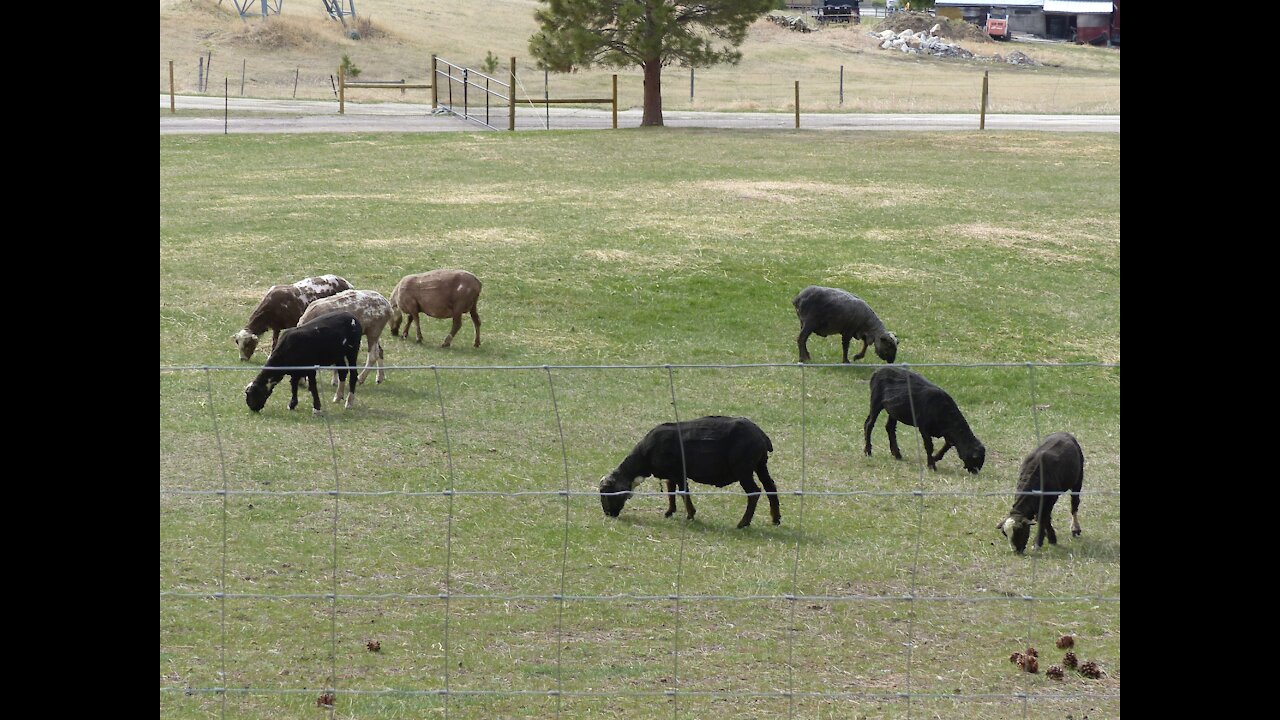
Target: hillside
pixel 399 37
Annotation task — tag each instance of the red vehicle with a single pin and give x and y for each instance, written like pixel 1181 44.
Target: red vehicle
pixel 997 27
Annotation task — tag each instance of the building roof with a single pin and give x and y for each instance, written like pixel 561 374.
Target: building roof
pixel 992 3
pixel 1076 7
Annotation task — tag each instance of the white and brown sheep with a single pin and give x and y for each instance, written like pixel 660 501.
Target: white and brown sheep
pixel 439 294
pixel 281 308
pixel 373 311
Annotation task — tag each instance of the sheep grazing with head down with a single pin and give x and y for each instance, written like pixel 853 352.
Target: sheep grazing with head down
pixel 281 307
pixel 373 311
pixel 330 340
pixel 1054 468
pixel 712 450
pixel 439 294
pixel 830 311
pixel 911 399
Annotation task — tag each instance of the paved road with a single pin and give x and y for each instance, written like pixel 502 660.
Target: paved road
pixel 320 116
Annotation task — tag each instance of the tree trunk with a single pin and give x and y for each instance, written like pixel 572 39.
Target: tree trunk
pixel 652 94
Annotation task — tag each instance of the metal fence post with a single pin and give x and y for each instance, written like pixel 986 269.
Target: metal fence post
pixel 511 115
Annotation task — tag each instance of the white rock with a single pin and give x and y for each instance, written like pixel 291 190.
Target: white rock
pixel 887 35
pixel 886 45
pixel 934 30
pixel 905 34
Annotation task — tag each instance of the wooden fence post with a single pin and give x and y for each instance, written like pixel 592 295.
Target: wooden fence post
pixel 615 101
pixel 434 83
pixel 342 91
pixel 797 104
pixel 511 113
pixel 172 107
pixel 982 119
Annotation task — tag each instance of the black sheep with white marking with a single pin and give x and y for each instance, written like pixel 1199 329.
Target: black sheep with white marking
pixel 926 407
pixel 718 451
pixel 328 340
pixel 1056 467
pixel 830 311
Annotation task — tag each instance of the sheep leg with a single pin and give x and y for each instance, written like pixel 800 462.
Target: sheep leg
pixel 891 427
pixel 945 447
pixel 844 346
pixel 803 341
pixel 1046 528
pixel 418 318
pixel 293 385
pixel 688 499
pixel 340 392
pixel 315 392
pixel 753 496
pixel 457 325
pixel 370 361
pixel 275 335
pixel 869 425
pixel 475 320
pixel 928 450
pixel 671 498
pixel 352 364
pixel 770 487
pixel 861 352
pixel 1075 506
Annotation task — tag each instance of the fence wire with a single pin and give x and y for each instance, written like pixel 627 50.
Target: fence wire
pixel 561 598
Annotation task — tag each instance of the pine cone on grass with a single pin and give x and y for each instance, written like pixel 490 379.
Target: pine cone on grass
pixel 325 700
pixel 1054 672
pixel 1066 641
pixel 1091 670
pixel 374 645
pixel 1070 660
pixel 1031 664
pixel 1032 652
pixel 1016 659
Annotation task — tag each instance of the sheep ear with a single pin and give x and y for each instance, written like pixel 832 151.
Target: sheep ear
pixel 1005 527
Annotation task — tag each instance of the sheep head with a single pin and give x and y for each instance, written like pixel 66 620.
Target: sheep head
pixel 256 393
pixel 615 491
pixel 974 457
pixel 1018 530
pixel 247 342
pixel 887 347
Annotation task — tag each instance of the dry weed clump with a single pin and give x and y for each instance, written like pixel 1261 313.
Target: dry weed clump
pixel 277 33
pixel 922 22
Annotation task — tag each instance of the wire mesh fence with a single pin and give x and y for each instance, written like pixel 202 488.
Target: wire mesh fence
pixel 440 548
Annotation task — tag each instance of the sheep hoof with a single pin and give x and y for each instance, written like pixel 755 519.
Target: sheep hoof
pixel 317 411
pixel 867 450
pixel 777 520
pixel 1075 532
pixel 668 513
pixel 744 523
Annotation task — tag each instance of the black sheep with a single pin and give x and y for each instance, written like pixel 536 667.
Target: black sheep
pixel 718 451
pixel 1056 467
pixel 830 311
pixel 328 340
pixel 928 408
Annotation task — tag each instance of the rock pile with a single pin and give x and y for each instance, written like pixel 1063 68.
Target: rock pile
pixel 792 23
pixel 929 43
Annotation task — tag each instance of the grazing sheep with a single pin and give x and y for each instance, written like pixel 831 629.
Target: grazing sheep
pixel 928 408
pixel 828 311
pixel 1056 467
pixel 373 311
pixel 330 340
pixel 281 307
pixel 439 294
pixel 718 451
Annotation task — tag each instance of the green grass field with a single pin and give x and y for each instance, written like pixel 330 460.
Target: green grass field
pixel 637 247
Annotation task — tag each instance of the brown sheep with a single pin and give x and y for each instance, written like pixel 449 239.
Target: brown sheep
pixel 281 307
pixel 370 308
pixel 439 294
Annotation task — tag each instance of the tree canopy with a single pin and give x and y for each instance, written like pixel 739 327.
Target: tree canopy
pixel 648 33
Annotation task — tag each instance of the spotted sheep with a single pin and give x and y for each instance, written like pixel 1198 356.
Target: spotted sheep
pixel 713 450
pixel 333 339
pixel 439 294
pixel 831 311
pixel 1051 470
pixel 371 309
pixel 281 308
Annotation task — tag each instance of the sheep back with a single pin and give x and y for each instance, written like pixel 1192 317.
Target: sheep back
pixel 369 306
pixel 718 451
pixel 1058 463
pixel 438 293
pixel 832 311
